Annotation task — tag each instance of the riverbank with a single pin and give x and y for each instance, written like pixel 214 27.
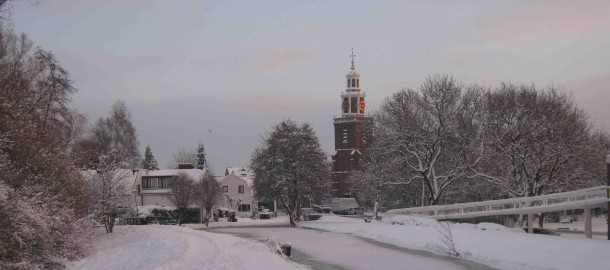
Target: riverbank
pixel 490 244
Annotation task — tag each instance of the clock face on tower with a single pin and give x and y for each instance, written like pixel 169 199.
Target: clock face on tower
pixel 361 106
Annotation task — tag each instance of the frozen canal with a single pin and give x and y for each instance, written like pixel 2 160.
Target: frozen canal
pixel 328 250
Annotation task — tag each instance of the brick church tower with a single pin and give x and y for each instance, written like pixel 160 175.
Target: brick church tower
pixel 350 135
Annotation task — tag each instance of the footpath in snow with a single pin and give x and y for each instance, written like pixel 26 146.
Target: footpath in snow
pixel 174 247
pixel 486 243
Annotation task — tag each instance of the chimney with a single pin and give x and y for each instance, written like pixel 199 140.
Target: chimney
pixel 183 166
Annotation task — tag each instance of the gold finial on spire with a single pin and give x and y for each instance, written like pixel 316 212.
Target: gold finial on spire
pixel 353 55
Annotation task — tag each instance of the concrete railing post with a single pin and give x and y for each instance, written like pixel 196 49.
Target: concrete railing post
pixel 588 227
pixel 530 223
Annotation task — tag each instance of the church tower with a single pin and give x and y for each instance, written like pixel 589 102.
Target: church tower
pixel 350 134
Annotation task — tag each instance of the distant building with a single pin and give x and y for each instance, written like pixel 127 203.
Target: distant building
pixel 152 187
pixel 238 191
pixel 350 134
pixel 243 176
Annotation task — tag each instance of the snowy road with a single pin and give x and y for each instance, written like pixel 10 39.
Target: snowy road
pixel 328 250
pixel 173 247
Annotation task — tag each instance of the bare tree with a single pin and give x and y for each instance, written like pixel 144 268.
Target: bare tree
pixel 536 141
pixel 183 156
pixel 183 190
pixel 532 138
pixel 445 230
pixel 109 187
pixel 290 165
pixel 208 193
pixel 379 173
pixel 114 134
pixel 430 132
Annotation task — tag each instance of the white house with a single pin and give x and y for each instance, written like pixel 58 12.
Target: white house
pixel 152 187
pixel 238 190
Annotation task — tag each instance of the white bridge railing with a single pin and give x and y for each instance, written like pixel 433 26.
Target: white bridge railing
pixel 579 199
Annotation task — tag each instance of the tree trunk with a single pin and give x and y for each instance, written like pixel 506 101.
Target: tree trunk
pixel 180 210
pixel 289 211
pixel 376 205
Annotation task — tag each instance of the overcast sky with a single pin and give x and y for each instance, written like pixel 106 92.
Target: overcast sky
pixel 224 72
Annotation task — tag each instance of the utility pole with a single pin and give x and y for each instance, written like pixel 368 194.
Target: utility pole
pixel 608 194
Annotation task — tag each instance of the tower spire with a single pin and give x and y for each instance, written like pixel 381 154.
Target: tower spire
pixel 352 56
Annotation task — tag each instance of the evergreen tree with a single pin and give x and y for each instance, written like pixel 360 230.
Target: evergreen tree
pixel 149 162
pixel 290 166
pixel 200 161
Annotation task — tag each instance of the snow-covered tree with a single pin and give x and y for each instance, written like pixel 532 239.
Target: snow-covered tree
pixel 43 217
pixel 114 133
pixel 536 141
pixel 109 187
pixel 431 132
pixel 149 162
pixel 183 188
pixel 378 175
pixel 207 192
pixel 200 161
pixel 290 166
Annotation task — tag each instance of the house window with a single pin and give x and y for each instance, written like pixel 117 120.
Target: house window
pixel 225 189
pixel 163 182
pixel 241 189
pixel 244 208
pixel 149 183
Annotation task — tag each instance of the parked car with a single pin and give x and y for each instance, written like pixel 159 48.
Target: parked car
pixel 310 214
pixel 264 213
pixel 355 211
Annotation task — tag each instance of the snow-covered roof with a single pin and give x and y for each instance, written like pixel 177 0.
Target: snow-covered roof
pixel 193 173
pixel 240 171
pixel 352 72
pixel 127 177
pixel 249 181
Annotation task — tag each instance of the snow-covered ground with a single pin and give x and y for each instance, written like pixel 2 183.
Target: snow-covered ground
pixel 174 247
pixel 489 244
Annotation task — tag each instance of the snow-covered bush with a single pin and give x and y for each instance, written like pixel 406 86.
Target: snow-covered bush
pixel 43 215
pixel 165 214
pixel 410 220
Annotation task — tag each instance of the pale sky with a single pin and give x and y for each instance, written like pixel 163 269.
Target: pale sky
pixel 239 67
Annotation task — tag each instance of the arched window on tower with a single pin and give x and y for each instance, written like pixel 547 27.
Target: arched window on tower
pixel 347 82
pixel 353 83
pixel 358 83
